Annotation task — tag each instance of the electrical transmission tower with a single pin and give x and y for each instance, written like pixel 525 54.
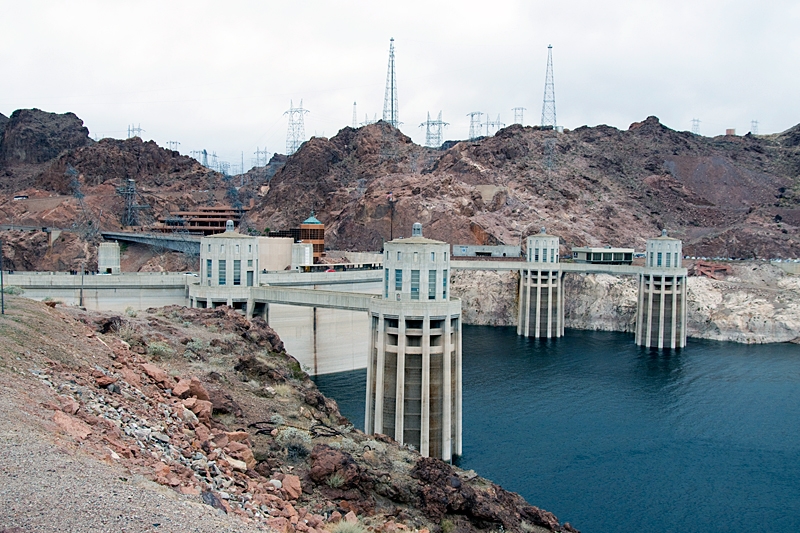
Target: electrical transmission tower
pixel 367 121
pixel 549 103
pixel 433 131
pixel 259 160
pixel 696 126
pixel 355 120
pixel 135 131
pixel 518 115
pixel 297 131
pixel 390 109
pixel 474 124
pixel 130 216
pixel 496 124
pixel 173 145
pixel 754 127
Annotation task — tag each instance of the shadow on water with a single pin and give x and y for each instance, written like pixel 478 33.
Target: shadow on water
pixel 616 438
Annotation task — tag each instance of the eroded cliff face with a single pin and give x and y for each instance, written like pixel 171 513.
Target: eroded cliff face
pixel 758 303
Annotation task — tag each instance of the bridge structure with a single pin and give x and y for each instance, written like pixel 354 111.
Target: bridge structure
pixel 177 241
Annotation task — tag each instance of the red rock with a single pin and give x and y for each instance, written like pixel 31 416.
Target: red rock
pixel 237 436
pixel 352 518
pixel 196 389
pixel 326 461
pixel 131 377
pixel 68 405
pixel 291 484
pixel 104 381
pixel 189 402
pixel 279 524
pixel 202 409
pixel 181 389
pixel 202 432
pixel 189 490
pixel 335 517
pixel 71 425
pixel 156 374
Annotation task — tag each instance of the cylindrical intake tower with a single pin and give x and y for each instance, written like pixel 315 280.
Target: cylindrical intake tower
pixel 541 289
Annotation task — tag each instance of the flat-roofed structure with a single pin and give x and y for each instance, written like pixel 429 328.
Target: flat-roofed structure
pixel 602 256
pixel 207 220
pixel 478 250
pixel 414 362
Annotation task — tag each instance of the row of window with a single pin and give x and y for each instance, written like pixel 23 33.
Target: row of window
pixel 667 257
pixel 416 256
pixel 235 248
pixel 415 279
pixel 553 256
pixel 222 271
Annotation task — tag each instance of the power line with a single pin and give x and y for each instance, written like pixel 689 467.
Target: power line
pixel 390 107
pixel 518 115
pixel 433 131
pixel 296 133
pixel 474 124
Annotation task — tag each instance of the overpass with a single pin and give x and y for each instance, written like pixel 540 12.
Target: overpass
pixel 178 242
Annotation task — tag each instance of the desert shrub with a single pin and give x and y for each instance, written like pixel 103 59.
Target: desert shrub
pixel 160 349
pixel 277 419
pixel 13 290
pixel 296 442
pixel 335 480
pixel 130 311
pixel 297 370
pixel 197 345
pixel 447 526
pixel 343 526
pixel 282 389
pixel 374 445
pixel 126 332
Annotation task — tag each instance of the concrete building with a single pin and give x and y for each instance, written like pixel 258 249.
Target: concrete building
pixel 602 256
pixel 473 250
pixel 661 315
pixel 228 259
pixel 541 289
pixel 108 254
pixel 414 362
pixel 313 231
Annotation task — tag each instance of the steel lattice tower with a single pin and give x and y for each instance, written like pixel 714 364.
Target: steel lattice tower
pixel 549 104
pixel 518 114
pixel 390 108
pixel 696 126
pixel 355 120
pixel 433 131
pixel 474 124
pixel 496 124
pixel 297 132
pixel 754 127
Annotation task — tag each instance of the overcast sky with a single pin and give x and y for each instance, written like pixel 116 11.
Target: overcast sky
pixel 220 75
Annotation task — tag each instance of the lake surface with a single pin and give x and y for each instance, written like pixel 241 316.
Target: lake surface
pixel 615 438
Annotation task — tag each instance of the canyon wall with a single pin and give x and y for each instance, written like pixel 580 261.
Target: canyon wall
pixel 757 303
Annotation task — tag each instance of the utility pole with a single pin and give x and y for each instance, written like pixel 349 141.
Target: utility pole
pixel 433 131
pixel 296 133
pixel 474 124
pixel 390 108
pixel 518 115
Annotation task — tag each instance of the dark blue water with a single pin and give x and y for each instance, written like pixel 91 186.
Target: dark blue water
pixel 614 438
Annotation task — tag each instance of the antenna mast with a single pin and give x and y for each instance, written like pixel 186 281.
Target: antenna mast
pixel 549 104
pixel 390 109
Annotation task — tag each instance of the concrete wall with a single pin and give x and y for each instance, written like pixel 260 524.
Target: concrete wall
pixel 105 292
pixel 274 253
pixel 789 268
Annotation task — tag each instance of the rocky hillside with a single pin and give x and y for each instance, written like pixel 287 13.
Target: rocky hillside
pixel 724 196
pixel 204 411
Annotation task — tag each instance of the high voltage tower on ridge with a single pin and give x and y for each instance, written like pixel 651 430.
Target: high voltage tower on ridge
pixel 367 120
pixel 754 127
pixel 518 115
pixel 474 124
pixel 355 120
pixel 696 126
pixel 135 131
pixel 433 131
pixel 496 124
pixel 549 103
pixel 390 109
pixel 259 159
pixel 173 145
pixel 296 133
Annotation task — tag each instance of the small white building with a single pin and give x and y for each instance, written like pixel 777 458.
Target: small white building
pixel 229 259
pixel 108 258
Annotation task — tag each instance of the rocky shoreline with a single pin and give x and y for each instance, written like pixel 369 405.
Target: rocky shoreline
pixel 758 303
